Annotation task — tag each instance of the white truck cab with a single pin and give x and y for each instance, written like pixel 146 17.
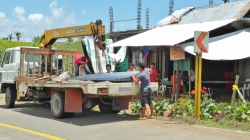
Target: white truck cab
pixel 10 66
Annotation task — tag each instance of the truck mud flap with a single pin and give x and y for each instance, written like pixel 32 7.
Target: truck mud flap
pixel 120 103
pixel 73 100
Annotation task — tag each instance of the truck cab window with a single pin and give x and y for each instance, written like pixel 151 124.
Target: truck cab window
pixel 6 59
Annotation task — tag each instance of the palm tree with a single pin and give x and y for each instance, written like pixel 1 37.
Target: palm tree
pixel 35 39
pixel 225 1
pixel 70 39
pixel 4 38
pixel 10 37
pixel 18 35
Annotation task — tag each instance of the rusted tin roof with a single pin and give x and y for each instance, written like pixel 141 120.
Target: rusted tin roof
pixel 234 10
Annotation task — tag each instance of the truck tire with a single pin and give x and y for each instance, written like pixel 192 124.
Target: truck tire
pixel 105 108
pixel 89 104
pixel 10 97
pixel 116 111
pixel 69 115
pixel 57 105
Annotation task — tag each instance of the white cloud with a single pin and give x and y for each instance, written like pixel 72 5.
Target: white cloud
pixel 57 12
pixel 35 17
pixel 70 19
pixel 19 12
pixel 2 15
pixel 34 24
pixel 84 12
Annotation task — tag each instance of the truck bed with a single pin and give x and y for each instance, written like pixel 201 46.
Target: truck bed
pixel 90 87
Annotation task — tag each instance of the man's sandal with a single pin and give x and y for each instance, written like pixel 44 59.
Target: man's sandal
pixel 150 117
pixel 141 118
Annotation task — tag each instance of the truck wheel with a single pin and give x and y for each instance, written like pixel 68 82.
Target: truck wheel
pixel 115 111
pixel 10 97
pixel 69 115
pixel 89 104
pixel 57 105
pixel 105 108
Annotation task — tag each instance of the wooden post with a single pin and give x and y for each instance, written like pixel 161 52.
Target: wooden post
pixel 177 81
pixel 234 92
pixel 241 97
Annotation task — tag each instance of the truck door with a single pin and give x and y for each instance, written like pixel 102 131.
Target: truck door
pixel 12 67
pixel 5 66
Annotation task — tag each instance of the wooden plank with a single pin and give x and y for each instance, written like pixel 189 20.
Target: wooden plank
pixel 48 51
pixel 234 92
pixel 26 79
pixel 45 77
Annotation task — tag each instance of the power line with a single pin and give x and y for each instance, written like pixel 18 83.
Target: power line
pixel 125 20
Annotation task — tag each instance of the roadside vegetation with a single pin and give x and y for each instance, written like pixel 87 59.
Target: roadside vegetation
pixel 235 116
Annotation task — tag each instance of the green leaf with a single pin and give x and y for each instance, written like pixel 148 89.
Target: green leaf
pixel 157 108
pixel 244 116
pixel 154 103
pixel 164 108
pixel 219 111
pixel 165 103
pixel 248 112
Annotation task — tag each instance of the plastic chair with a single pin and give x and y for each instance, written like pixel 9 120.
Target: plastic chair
pixel 246 87
pixel 161 90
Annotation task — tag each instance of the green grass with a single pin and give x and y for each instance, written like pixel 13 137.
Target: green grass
pixel 9 44
pixel 72 46
pixel 223 124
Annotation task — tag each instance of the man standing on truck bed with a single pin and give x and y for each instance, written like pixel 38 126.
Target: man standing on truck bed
pixel 80 61
pixel 145 89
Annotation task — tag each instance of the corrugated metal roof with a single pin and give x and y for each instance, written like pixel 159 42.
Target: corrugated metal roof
pixel 170 35
pixel 234 10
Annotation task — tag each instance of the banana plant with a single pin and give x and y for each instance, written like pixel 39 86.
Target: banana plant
pixel 136 107
pixel 160 106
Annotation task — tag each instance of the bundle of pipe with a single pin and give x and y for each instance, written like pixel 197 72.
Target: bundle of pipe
pixel 112 77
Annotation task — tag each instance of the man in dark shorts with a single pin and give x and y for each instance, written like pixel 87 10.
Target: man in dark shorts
pixel 145 89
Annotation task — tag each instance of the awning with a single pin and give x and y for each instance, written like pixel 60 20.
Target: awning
pixel 170 35
pixel 231 46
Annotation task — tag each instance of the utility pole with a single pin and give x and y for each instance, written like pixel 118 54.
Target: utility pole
pixel 171 6
pixel 147 18
pixel 111 19
pixel 210 2
pixel 139 15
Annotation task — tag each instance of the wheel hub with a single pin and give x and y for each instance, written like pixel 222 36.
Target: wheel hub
pixel 7 97
pixel 56 105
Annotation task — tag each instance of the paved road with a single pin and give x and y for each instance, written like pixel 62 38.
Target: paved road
pixel 29 121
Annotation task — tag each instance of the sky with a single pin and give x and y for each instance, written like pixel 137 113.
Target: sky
pixel 32 17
